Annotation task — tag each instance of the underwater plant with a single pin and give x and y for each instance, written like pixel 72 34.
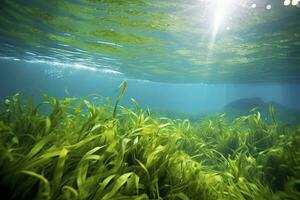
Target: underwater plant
pixel 87 149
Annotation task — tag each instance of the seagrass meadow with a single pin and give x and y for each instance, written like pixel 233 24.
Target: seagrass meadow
pixel 74 148
pixel 149 100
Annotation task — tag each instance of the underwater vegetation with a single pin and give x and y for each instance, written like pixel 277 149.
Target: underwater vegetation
pixel 89 149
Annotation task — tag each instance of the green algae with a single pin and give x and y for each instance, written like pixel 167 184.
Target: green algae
pixel 89 149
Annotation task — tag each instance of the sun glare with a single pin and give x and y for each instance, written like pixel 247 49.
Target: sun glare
pixel 221 11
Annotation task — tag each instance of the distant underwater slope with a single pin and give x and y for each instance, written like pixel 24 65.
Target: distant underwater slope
pixel 243 106
pixel 246 104
pixel 91 149
pixel 162 41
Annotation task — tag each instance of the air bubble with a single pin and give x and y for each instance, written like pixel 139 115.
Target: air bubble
pixel 287 2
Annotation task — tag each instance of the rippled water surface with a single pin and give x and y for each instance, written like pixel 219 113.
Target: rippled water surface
pixel 168 41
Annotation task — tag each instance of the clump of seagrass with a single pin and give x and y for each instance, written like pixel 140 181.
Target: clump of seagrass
pixel 79 150
pixel 82 149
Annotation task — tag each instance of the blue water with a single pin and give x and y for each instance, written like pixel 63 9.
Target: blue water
pixel 183 98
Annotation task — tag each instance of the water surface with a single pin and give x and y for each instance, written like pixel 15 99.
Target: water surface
pixel 186 41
